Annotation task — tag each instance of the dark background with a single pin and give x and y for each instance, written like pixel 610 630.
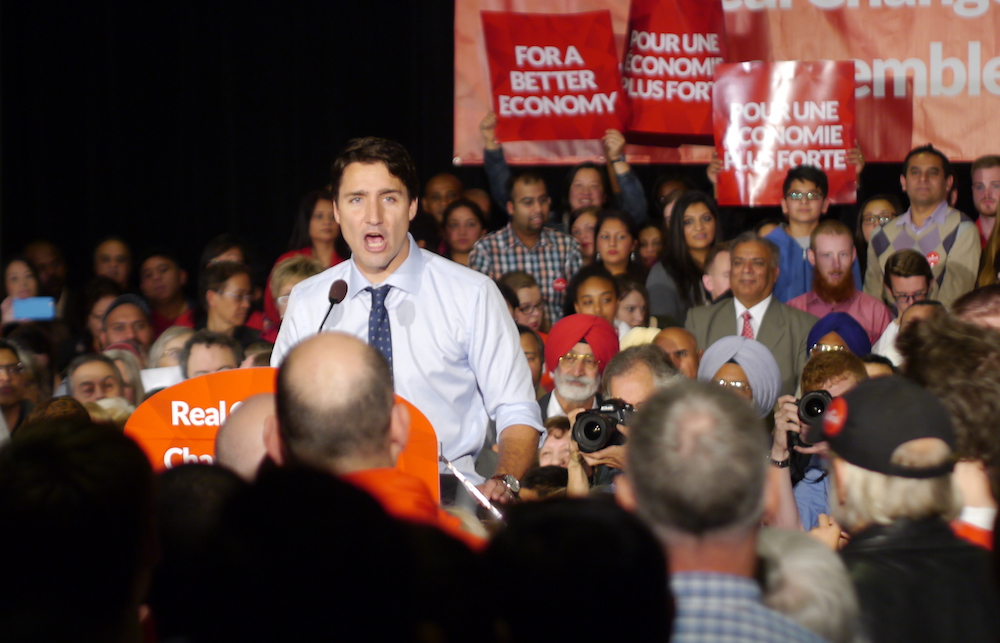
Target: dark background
pixel 169 123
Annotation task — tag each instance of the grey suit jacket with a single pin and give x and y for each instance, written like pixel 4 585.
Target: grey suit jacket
pixel 783 330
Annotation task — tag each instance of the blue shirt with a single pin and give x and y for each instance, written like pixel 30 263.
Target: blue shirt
pixel 456 354
pixel 812 493
pixel 724 607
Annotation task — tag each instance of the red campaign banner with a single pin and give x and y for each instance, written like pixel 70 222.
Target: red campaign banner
pixel 673 48
pixel 554 77
pixel 771 117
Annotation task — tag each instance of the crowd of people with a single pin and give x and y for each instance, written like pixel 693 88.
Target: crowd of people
pixel 781 433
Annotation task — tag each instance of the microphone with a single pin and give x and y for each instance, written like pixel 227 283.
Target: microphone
pixel 338 290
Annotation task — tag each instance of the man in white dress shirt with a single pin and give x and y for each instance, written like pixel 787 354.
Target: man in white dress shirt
pixel 445 330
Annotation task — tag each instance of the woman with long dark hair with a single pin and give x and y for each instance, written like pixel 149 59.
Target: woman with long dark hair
pixel 675 283
pixel 316 234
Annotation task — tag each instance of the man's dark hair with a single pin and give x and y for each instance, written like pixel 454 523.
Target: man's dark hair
pixel 873 358
pixel 929 149
pixel 527 177
pixel 806 173
pixel 547 481
pixel 981 302
pixel 214 277
pixel 752 237
pixel 158 251
pixel 76 504
pixel 205 337
pixel 654 357
pixel 959 362
pixel 371 150
pixel 87 358
pixel 352 422
pixel 907 263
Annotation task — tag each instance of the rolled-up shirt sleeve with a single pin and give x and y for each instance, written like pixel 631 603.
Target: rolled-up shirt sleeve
pixel 496 358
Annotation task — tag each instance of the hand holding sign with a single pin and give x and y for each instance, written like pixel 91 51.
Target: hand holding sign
pixel 771 117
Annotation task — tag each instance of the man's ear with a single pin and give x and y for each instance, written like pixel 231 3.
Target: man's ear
pixel 826 205
pixel 399 430
pixel 811 256
pixel 625 494
pixel 272 440
pixel 103 336
pixel 510 208
pixel 413 207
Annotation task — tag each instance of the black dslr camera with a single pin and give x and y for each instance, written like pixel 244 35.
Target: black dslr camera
pixel 812 406
pixel 597 429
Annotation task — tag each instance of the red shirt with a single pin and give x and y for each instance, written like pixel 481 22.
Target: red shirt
pixel 406 497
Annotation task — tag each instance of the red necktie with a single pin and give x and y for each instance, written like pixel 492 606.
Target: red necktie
pixel 747 328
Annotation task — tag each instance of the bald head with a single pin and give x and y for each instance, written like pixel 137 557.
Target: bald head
pixel 239 444
pixel 682 348
pixel 335 403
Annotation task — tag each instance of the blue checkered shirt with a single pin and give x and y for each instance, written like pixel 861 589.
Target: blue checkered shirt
pixel 723 608
pixel 555 256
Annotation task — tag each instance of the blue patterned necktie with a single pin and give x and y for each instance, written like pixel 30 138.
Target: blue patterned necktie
pixel 379 334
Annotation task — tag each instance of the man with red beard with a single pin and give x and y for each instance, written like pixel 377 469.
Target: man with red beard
pixel 578 348
pixel 832 253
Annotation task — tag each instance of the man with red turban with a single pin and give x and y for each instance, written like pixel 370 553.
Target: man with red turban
pixel 576 351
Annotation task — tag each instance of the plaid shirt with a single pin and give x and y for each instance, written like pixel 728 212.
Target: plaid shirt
pixel 723 607
pixel 552 262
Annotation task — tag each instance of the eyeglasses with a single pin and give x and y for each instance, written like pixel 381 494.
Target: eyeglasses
pixel 827 348
pixel 904 298
pixel 570 360
pixel 12 369
pixel 528 309
pixel 876 219
pixel 811 195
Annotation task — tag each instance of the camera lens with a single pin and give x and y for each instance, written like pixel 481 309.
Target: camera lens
pixel 814 408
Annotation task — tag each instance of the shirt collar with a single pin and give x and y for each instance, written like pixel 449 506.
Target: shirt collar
pixel 406 277
pixel 514 240
pixel 756 311
pixel 937 217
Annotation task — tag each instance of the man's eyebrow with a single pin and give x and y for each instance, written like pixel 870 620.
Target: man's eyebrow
pixel 389 191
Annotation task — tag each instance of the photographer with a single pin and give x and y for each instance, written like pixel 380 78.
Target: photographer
pixel 833 372
pixel 632 377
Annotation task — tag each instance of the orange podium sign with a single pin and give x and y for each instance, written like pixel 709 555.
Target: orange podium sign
pixel 178 424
